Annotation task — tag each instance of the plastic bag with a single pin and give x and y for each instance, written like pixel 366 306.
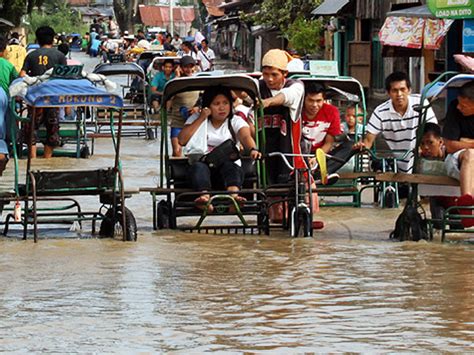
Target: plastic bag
pixel 197 144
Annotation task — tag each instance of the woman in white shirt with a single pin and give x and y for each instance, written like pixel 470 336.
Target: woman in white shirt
pixel 217 110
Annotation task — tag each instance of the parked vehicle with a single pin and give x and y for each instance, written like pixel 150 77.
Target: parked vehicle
pixel 48 195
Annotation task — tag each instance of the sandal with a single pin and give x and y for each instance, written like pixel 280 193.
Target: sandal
pixel 240 201
pixel 202 203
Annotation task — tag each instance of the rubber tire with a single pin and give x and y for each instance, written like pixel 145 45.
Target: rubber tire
pixel 303 225
pixel 264 222
pixel 162 215
pixel 107 227
pixel 150 134
pixel 85 152
pixel 389 199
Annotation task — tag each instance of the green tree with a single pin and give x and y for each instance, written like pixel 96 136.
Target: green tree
pixel 59 16
pixel 293 19
pixel 13 10
pixel 126 13
pixel 303 35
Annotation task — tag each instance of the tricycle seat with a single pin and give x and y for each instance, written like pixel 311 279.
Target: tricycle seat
pixel 73 182
pixel 179 172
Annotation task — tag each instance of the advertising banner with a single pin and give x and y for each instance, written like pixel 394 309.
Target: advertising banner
pixel 453 9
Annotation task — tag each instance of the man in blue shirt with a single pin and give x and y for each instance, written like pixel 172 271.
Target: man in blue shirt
pixel 159 81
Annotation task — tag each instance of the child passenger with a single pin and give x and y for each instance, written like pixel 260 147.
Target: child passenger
pixel 432 147
pixel 352 119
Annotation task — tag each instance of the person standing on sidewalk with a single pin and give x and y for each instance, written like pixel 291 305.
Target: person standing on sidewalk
pixel 206 56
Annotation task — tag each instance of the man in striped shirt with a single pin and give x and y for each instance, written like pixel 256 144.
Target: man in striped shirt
pixel 396 120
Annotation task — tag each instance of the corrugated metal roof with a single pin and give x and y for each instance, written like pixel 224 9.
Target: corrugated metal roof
pixel 94 11
pixel 160 15
pixel 4 22
pixel 330 7
pixel 418 11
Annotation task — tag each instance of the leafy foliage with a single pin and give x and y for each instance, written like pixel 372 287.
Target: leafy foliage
pixel 282 13
pixel 59 16
pixel 13 10
pixel 293 19
pixel 303 35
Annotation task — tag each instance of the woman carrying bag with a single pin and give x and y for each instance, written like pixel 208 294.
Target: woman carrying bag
pixel 220 167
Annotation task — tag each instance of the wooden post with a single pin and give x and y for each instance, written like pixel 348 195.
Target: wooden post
pixel 429 57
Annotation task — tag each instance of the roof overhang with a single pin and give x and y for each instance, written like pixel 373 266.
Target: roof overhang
pixel 421 11
pixel 4 22
pixel 330 7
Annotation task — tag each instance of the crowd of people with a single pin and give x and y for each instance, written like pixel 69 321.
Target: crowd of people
pixel 297 115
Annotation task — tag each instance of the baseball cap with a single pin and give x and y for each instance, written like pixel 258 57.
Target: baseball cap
pixel 186 60
pixel 276 58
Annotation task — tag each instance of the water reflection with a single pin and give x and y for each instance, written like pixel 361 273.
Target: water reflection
pixel 233 293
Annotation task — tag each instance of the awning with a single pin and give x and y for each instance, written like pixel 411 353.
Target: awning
pixel 421 11
pixel 4 22
pixel 414 32
pixel 330 7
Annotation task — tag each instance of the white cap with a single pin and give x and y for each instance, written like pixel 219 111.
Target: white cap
pixel 143 44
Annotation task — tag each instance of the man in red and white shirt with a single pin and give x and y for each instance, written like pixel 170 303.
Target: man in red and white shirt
pixel 321 121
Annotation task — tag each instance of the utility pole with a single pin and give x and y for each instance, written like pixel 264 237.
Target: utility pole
pixel 171 18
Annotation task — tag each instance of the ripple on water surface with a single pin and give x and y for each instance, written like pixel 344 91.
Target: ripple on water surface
pixel 234 294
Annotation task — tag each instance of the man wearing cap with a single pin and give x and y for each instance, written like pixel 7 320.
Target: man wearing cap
pixel 108 47
pixel 182 105
pixel 282 102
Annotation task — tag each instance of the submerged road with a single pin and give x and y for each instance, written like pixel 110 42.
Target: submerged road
pixel 348 289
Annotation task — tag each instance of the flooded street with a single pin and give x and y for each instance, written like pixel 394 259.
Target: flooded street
pixel 348 289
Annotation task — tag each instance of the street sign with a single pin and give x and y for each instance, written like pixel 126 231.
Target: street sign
pixel 323 67
pixel 468 36
pixel 454 9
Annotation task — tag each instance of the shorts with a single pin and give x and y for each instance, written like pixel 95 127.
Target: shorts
pixel 49 118
pixel 175 131
pixel 452 164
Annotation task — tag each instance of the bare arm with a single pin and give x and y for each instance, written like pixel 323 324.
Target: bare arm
pixel 188 130
pixel 276 100
pixel 367 143
pixel 328 143
pixel 247 141
pixel 454 146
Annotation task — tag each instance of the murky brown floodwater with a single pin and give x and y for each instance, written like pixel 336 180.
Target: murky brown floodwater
pixel 347 290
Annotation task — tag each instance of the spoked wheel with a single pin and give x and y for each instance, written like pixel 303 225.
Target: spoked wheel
pixel 112 226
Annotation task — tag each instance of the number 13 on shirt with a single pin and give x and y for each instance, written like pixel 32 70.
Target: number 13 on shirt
pixel 43 60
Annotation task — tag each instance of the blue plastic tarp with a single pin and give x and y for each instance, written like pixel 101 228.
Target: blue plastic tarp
pixel 70 92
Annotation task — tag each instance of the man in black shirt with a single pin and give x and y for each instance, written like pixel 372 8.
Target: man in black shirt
pixel 458 134
pixel 37 63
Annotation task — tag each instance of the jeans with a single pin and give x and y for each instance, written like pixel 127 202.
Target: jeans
pixel 204 178
pixel 3 122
